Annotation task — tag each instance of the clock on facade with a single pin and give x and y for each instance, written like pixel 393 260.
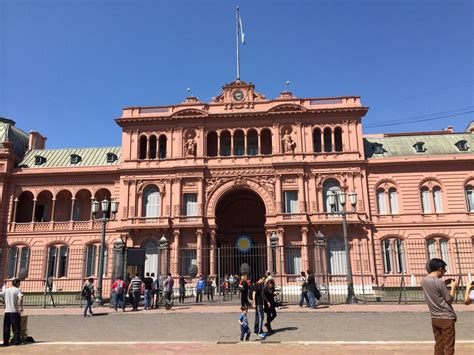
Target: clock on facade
pixel 238 95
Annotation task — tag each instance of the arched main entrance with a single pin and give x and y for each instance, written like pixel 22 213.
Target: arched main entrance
pixel 240 218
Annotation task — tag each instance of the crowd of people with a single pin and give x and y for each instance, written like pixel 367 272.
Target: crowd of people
pixel 260 295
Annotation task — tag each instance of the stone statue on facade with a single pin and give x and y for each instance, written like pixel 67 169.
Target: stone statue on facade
pixel 190 146
pixel 288 143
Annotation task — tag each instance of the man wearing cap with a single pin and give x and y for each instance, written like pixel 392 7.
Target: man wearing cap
pixel 439 300
pixel 13 308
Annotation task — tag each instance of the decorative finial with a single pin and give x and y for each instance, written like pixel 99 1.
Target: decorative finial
pixel 189 91
pixel 287 84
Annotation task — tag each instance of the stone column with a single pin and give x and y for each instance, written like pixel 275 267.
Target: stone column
pixel 200 196
pixel 232 143
pixel 245 143
pixel 174 263
pixel 276 142
pixel 302 195
pixel 199 250
pixel 212 254
pixel 259 142
pixel 304 249
pixel 34 208
pixel 73 204
pixel 53 209
pixel 280 252
pixel 148 147
pixel 15 209
pixel 218 133
pixel 140 204
pixel 278 193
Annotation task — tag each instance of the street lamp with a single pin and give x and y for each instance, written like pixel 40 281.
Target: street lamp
pixel 342 200
pixel 274 245
pixel 163 242
pixel 95 208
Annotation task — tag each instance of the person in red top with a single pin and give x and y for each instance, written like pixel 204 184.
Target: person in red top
pixel 118 292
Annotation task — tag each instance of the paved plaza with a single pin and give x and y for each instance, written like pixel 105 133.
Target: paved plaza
pixel 338 329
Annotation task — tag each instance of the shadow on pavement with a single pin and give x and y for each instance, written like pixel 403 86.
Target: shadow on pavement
pixel 281 330
pixel 100 314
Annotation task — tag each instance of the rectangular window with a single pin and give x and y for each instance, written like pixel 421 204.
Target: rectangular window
pixel 293 261
pixel 24 258
pixel 425 201
pixel 431 248
pixel 91 254
pixel 443 244
pixel 381 201
pixel 188 258
pixel 470 199
pixel 387 260
pixel 190 205
pixel 393 199
pixel 77 211
pixel 438 202
pixel 51 267
pixel 12 262
pixel 291 202
pixel 62 267
pixel 399 255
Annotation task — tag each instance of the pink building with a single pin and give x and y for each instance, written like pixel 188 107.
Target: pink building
pixel 217 180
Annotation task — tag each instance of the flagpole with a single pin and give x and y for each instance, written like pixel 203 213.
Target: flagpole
pixel 237 38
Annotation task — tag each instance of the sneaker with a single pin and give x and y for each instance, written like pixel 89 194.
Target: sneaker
pixel 262 335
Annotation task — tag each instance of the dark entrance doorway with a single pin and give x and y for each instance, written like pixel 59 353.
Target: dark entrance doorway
pixel 240 217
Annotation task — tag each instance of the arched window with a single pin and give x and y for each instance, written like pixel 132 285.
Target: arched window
pixel 18 261
pixel 438 247
pixel 152 143
pixel 162 147
pixel 212 144
pixel 266 138
pixel 317 145
pixel 337 256
pixel 225 144
pixel 393 256
pixel 239 143
pixel 393 200
pixel 338 139
pixel 252 142
pixel 331 186
pixel 327 140
pixel 469 191
pixel 425 200
pixel 142 147
pixel 151 202
pixel 92 261
pixel 381 206
pixel 437 198
pixel 24 208
pixel 57 261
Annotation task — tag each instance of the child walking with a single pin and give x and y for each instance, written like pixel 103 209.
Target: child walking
pixel 244 324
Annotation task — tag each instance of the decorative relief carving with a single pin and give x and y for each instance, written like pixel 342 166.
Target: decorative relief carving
pixel 268 182
pixel 240 180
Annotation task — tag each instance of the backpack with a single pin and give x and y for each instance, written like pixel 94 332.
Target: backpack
pixel 85 291
pixel 119 289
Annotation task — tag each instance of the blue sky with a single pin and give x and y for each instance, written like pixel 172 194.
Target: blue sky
pixel 68 67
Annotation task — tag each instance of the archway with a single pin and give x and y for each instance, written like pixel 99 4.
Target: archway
pixel 240 218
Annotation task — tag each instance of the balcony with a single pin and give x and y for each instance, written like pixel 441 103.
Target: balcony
pixel 54 226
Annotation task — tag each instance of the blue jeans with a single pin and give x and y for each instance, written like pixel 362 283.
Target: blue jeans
pixel 88 307
pixel 312 299
pixel 244 330
pixel 303 297
pixel 147 298
pixel 259 318
pixel 118 300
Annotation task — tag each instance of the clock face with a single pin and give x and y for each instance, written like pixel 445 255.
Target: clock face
pixel 238 95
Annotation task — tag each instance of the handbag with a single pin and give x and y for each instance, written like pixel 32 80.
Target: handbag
pixel 317 294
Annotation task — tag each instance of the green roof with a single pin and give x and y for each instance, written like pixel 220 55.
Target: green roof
pixel 16 137
pixel 403 146
pixel 56 158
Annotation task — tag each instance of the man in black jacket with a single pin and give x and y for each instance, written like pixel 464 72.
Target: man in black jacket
pixel 311 286
pixel 258 302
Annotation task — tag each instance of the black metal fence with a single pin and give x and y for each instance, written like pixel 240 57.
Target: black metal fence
pixel 383 271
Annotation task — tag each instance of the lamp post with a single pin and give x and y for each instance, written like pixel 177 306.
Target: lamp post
pixel 341 196
pixel 95 208
pixel 163 247
pixel 274 245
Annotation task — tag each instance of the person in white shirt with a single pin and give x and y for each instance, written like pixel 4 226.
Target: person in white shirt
pixel 13 308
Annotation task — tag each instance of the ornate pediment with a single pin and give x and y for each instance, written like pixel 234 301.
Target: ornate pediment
pixel 288 107
pixel 189 112
pixel 238 93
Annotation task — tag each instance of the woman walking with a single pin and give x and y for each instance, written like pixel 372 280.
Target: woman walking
pixel 269 304
pixel 182 289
